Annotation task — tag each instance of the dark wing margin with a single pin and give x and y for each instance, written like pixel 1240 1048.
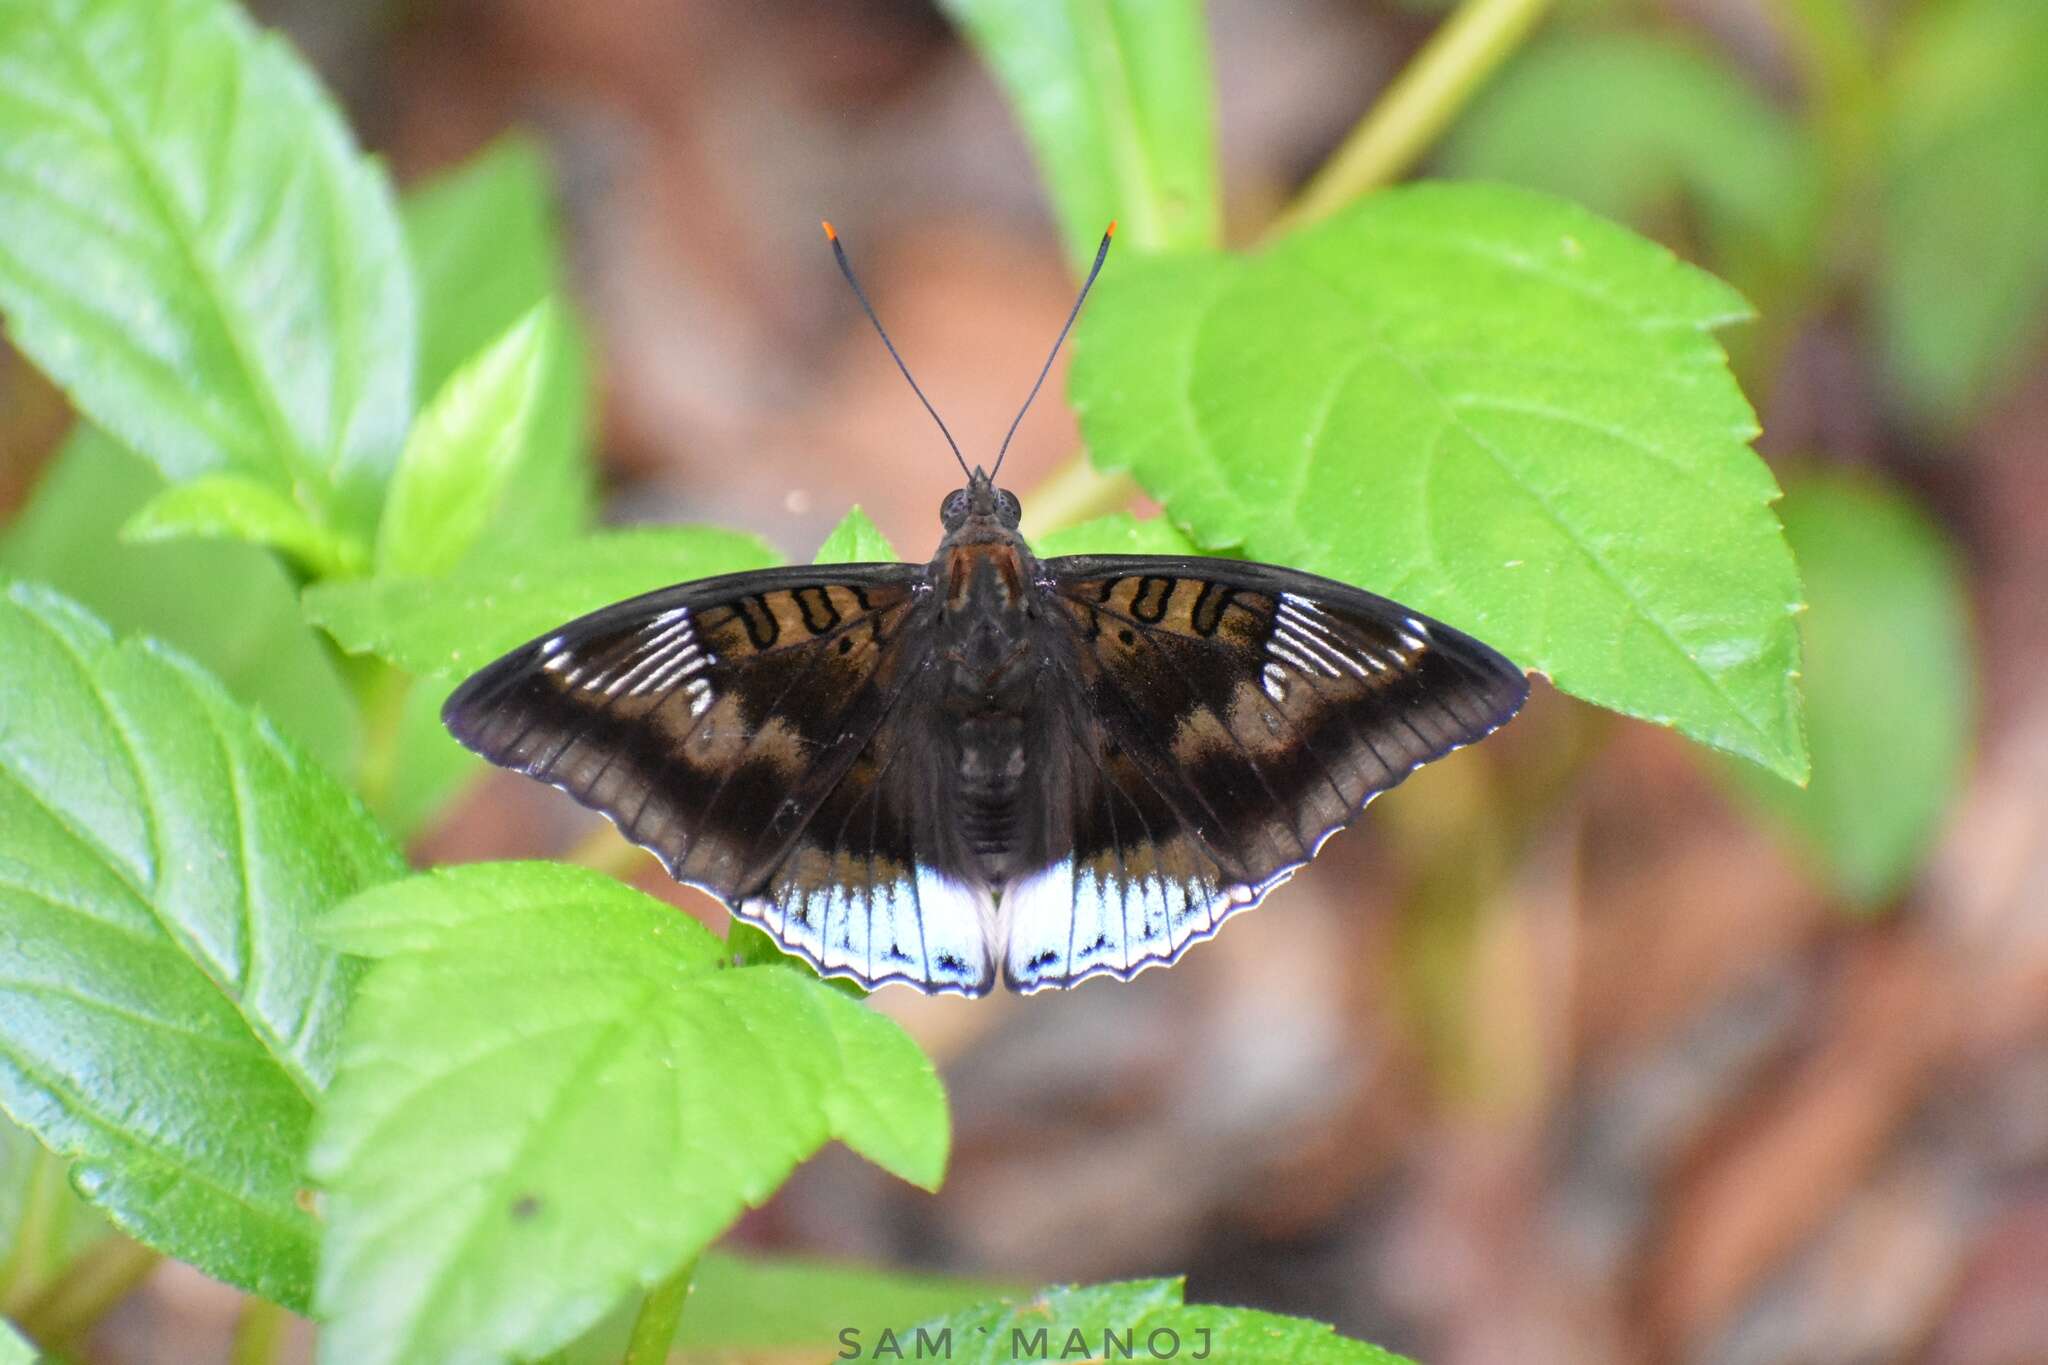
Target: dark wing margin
pixel 1241 714
pixel 728 726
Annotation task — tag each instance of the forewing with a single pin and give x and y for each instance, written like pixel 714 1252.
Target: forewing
pixel 749 731
pixel 703 719
pixel 1242 714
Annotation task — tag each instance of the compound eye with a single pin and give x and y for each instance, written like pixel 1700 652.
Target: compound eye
pixel 1008 508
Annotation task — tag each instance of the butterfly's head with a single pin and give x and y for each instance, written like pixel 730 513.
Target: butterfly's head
pixel 981 500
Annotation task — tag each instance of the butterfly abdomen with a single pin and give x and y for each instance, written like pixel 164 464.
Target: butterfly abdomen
pixel 991 773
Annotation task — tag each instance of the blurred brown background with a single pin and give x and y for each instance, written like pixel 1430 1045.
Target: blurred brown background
pixel 1554 1059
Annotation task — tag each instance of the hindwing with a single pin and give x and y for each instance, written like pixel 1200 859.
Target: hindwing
pixel 1234 716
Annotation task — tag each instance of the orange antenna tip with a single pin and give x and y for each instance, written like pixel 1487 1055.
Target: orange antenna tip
pixel 831 233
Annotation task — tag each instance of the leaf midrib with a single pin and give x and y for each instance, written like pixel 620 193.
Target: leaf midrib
pixel 129 143
pixel 146 897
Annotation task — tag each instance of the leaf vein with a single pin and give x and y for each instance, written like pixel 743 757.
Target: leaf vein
pixel 130 144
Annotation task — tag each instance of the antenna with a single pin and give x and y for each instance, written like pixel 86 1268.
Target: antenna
pixel 846 269
pixel 1101 253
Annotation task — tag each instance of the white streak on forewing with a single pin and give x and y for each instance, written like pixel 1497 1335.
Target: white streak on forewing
pixel 661 639
pixel 1279 650
pixel 1316 631
pixel 686 661
pixel 952 918
pixel 1039 911
pixel 1327 660
pixel 1317 654
pixel 649 661
pixel 661 678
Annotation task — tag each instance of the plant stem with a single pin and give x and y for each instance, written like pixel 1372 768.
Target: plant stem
pixel 380 693
pixel 1076 492
pixel 1393 136
pixel 654 1330
pixel 22 1274
pixel 1423 99
pixel 94 1283
pixel 259 1332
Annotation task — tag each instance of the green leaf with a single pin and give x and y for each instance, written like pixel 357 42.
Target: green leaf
pixel 228 606
pixel 196 251
pixel 856 540
pixel 1963 280
pixel 167 1019
pixel 230 507
pixel 1491 405
pixel 553 1091
pixel 1890 684
pixel 1135 1319
pixel 1630 124
pixel 486 250
pixel 463 451
pixel 1115 97
pixel 1119 533
pixel 455 624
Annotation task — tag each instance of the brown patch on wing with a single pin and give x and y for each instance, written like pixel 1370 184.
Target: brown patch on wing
pixel 1281 714
pixel 709 731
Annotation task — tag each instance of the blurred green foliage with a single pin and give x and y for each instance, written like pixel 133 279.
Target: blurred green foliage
pixel 1962 288
pixel 1115 96
pixel 229 606
pixel 1890 684
pixel 1651 129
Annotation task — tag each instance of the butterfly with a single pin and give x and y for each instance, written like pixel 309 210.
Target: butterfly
pixel 990 764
